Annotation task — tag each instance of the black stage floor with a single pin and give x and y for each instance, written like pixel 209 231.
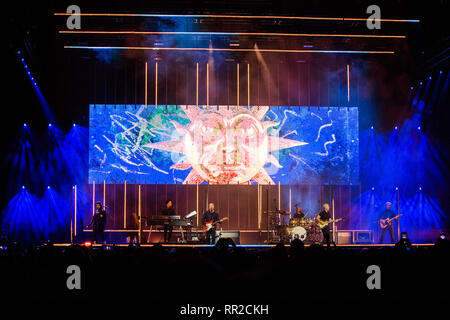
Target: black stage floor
pixel 248 246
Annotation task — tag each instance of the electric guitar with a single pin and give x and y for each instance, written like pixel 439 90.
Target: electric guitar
pixel 388 221
pixel 324 223
pixel 209 224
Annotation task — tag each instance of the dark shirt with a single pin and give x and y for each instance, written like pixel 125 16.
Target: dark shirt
pixel 299 215
pixel 386 214
pixel 210 216
pixel 168 211
pixel 324 215
pixel 98 220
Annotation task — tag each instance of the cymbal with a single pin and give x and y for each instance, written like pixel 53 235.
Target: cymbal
pixel 279 211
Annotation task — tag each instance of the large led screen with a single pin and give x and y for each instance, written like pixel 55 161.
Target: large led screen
pixel 223 144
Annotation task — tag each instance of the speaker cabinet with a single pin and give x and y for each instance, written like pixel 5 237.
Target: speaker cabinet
pixel 344 237
pixel 363 237
pixel 234 235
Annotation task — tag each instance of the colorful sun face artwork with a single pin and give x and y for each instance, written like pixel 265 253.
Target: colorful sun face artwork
pixel 218 144
pixel 226 145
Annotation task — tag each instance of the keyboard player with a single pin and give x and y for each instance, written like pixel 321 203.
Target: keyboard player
pixel 168 210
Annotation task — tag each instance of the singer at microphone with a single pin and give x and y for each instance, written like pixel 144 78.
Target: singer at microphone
pixel 98 223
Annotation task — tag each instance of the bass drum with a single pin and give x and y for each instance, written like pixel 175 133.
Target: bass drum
pixel 298 233
pixel 314 234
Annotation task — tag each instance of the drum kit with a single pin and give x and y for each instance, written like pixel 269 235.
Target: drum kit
pixel 305 229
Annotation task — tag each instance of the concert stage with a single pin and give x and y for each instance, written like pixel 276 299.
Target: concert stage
pixel 277 150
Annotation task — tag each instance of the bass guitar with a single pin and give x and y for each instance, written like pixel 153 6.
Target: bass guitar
pixel 388 221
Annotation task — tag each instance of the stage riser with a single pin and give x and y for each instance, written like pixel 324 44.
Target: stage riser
pixel 244 205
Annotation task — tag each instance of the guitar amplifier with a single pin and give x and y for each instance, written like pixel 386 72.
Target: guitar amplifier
pixel 234 235
pixel 195 236
pixel 344 237
pixel 362 237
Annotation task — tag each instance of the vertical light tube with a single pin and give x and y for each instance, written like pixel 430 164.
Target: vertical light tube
pixel 348 83
pixel 75 218
pixel 207 85
pixel 290 200
pixel 125 204
pixel 139 212
pixel 237 95
pixel 104 192
pixel 259 206
pixel 71 214
pixel 93 198
pixel 248 85
pixel 332 205
pixel 156 85
pixel 196 205
pixel 196 88
pixel 145 89
pixel 279 195
pixel 398 219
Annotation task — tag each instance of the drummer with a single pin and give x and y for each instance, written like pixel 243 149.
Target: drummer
pixel 299 215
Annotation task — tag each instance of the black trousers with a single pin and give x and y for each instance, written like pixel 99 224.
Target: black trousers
pixel 167 233
pixel 391 233
pixel 96 233
pixel 211 236
pixel 326 235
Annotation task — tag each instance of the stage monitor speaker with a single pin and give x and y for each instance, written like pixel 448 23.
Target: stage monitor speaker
pixel 362 237
pixel 344 237
pixel 195 236
pixel 234 235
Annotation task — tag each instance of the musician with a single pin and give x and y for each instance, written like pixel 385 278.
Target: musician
pixel 168 210
pixel 299 215
pixel 208 217
pixel 324 216
pixel 98 223
pixel 386 214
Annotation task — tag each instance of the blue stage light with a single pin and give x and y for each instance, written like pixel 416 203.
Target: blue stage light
pixel 418 128
pixel 24 124
pixel 48 187
pixel 396 128
pixel 440 72
pixel 39 94
pixel 420 188
pixel 49 125
pixel 18 52
pixel 371 127
pixel 23 187
pixel 373 188
pixel 412 88
pixel 421 83
pixel 429 78
pixel 396 188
